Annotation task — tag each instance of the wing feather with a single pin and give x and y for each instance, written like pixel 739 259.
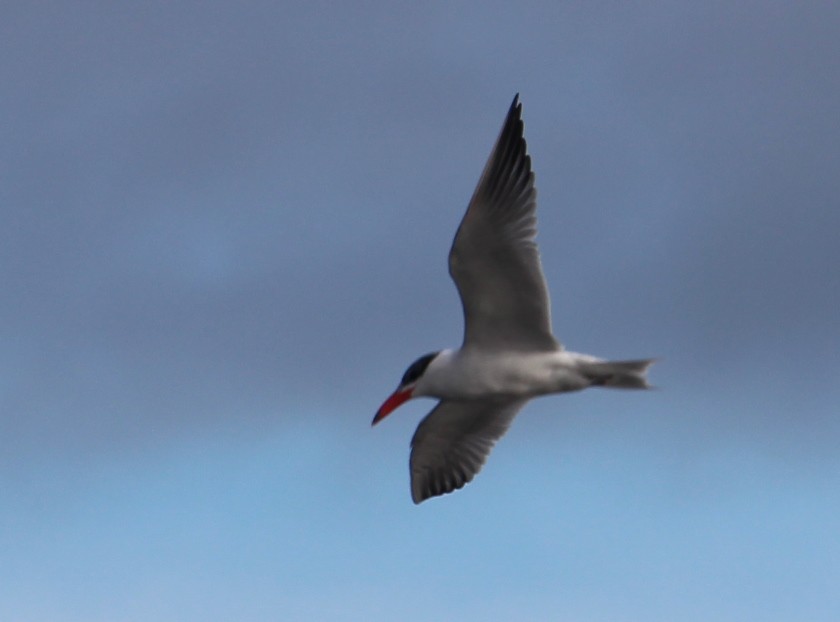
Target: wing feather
pixel 452 443
pixel 494 259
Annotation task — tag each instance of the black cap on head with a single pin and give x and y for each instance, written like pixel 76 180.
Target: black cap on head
pixel 416 369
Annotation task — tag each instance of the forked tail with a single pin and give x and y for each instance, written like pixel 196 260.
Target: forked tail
pixel 618 374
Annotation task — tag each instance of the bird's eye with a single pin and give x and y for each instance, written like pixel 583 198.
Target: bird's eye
pixel 410 375
pixel 417 368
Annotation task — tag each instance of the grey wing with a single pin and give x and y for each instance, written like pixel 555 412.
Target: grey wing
pixel 453 441
pixel 494 259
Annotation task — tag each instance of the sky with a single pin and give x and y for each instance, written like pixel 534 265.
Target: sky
pixel 224 238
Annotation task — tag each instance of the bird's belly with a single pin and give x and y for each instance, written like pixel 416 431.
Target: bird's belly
pixel 539 375
pixel 513 375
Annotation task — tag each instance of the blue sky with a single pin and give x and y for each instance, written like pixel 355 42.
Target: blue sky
pixel 224 238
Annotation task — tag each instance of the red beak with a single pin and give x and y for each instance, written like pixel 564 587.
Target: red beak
pixel 391 404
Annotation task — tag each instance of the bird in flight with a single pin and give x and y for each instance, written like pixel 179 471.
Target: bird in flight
pixel 509 354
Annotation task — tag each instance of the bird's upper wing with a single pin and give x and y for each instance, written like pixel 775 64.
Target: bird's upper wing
pixel 494 259
pixel 453 441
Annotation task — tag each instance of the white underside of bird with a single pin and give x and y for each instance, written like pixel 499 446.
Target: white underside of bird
pixel 509 354
pixel 470 374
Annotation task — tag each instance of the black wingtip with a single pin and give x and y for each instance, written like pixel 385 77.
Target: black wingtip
pixel 515 112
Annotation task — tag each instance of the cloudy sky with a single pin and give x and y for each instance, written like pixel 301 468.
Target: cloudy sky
pixel 224 236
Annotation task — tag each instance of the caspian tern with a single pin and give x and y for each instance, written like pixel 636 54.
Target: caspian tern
pixel 509 353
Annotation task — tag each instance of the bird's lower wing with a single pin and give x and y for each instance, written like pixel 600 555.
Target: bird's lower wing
pixel 452 443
